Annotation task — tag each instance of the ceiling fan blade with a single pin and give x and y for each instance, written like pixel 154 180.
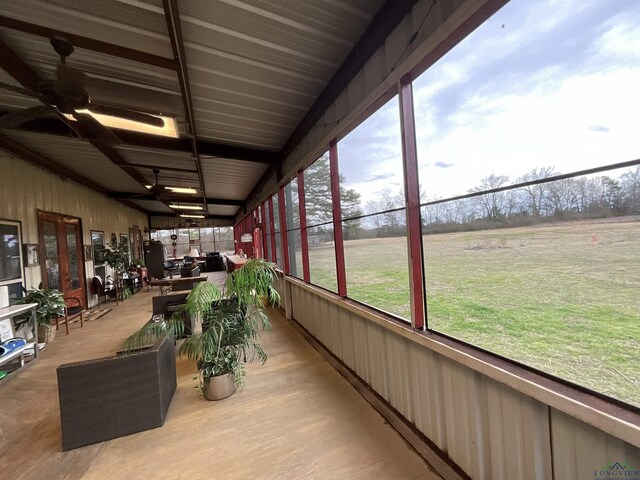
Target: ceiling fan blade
pixel 16 119
pixel 15 89
pixel 95 128
pixel 127 114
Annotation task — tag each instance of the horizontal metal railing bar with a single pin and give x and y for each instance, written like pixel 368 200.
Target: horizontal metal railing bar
pixel 555 178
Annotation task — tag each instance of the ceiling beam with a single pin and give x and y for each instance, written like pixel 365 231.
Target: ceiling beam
pixel 385 21
pixel 22 73
pixel 53 126
pixel 175 198
pixel 90 43
pixel 168 169
pixel 172 16
pixel 14 148
pixel 204 147
pixel 196 220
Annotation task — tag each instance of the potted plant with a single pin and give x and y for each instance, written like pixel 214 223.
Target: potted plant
pixel 50 306
pixel 232 319
pixel 116 255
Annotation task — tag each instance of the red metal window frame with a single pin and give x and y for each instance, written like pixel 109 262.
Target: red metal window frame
pixel 412 199
pixel 272 224
pixel 284 244
pixel 337 218
pixel 263 229
pixel 306 275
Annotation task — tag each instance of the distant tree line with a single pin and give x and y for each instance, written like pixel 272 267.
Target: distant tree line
pixel 567 199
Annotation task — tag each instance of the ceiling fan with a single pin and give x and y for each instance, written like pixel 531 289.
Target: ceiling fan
pixel 68 96
pixel 157 190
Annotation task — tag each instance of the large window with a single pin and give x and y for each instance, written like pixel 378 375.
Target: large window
pixel 319 215
pixel 294 237
pixel 224 241
pixel 373 213
pixel 543 272
pixel 276 230
pixel 205 239
pixel 11 262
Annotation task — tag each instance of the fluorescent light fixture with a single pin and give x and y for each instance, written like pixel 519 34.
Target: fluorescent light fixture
pixel 178 189
pixel 186 207
pixel 169 129
pixel 182 190
pixel 185 215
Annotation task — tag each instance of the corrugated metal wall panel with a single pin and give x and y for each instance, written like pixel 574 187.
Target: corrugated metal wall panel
pixel 487 428
pixel 579 450
pixel 463 416
pixel 521 426
pixel 26 188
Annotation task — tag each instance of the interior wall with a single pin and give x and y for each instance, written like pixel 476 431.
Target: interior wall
pixel 488 428
pixel 27 188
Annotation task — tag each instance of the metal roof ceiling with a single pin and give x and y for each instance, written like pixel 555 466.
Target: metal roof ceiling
pixel 254 69
pixel 78 156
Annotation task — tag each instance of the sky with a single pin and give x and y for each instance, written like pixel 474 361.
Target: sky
pixel 544 83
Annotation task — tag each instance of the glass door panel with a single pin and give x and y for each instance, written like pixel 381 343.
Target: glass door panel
pixel 52 259
pixel 72 250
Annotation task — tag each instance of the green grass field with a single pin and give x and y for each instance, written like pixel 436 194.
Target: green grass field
pixel 563 298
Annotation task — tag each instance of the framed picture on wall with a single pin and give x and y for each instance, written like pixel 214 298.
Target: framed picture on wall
pixel 31 254
pixel 88 253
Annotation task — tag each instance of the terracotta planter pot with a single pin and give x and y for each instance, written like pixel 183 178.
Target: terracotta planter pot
pixel 46 333
pixel 218 387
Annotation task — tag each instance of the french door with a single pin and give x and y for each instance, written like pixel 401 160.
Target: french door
pixel 63 264
pixel 135 244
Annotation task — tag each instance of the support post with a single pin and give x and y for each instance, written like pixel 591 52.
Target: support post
pixel 284 239
pixel 263 231
pixel 337 218
pixel 306 275
pixel 274 257
pixel 412 202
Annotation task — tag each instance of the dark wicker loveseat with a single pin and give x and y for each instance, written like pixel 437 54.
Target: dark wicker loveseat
pixel 115 396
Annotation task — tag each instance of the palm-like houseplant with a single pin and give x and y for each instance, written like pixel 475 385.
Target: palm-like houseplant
pixel 232 319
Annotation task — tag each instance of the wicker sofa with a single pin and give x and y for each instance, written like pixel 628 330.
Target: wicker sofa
pixel 115 396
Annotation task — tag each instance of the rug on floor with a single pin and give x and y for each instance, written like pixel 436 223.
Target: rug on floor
pixel 93 314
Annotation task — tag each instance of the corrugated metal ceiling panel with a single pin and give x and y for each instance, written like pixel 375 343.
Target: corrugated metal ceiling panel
pixel 158 158
pixel 152 206
pixel 119 23
pixel 109 79
pixel 79 156
pixel 13 101
pixel 263 63
pixel 230 179
pixel 226 210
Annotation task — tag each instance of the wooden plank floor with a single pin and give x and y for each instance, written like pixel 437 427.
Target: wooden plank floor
pixel 296 419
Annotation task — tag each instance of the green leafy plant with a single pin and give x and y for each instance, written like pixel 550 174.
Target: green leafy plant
pixel 232 320
pixel 50 305
pixel 116 255
pixel 137 262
